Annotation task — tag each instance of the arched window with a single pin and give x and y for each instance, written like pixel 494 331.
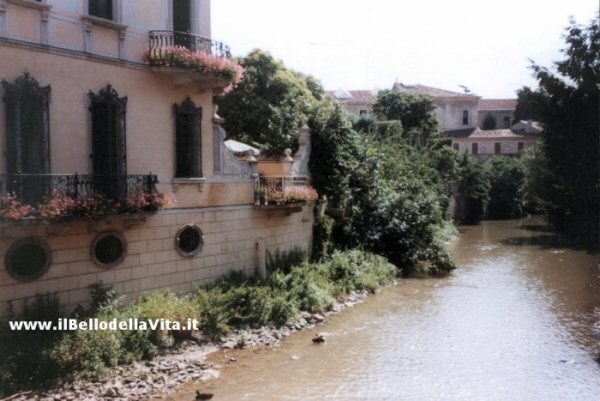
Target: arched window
pixel 188 144
pixel 27 137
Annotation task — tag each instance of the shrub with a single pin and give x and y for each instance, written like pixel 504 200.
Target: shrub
pixel 507 180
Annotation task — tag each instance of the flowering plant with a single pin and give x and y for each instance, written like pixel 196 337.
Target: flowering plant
pixel 60 205
pixel 147 201
pixel 57 205
pixel 12 209
pixel 293 194
pixel 203 62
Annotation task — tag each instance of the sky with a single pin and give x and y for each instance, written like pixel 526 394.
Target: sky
pixel 351 44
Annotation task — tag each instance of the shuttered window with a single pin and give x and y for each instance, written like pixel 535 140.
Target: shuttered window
pixel 188 144
pixel 109 145
pixel 101 8
pixel 27 126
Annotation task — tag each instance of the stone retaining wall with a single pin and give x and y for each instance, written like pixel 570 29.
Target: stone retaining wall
pixel 152 261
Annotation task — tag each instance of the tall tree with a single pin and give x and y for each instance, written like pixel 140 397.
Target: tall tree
pixel 268 107
pixel 416 112
pixel 567 102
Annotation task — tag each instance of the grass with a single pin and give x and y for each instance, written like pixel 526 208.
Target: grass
pixel 40 359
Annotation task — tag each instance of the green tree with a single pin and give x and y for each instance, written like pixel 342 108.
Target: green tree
pixel 529 104
pixel 489 122
pixel 473 190
pixel 268 106
pixel 568 108
pixel 507 180
pixel 416 112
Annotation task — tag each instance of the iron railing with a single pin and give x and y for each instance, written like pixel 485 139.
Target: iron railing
pixel 163 39
pixel 32 189
pixel 272 189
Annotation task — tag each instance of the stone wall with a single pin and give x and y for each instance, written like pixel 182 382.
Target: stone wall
pixel 152 260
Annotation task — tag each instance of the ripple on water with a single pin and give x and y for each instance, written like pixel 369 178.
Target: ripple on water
pixel 508 325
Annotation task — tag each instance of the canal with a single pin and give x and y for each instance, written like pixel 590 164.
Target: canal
pixel 516 321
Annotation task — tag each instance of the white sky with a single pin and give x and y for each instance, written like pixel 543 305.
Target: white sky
pixel 354 44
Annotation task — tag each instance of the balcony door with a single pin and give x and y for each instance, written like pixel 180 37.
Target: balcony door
pixel 109 163
pixel 182 23
pixel 27 138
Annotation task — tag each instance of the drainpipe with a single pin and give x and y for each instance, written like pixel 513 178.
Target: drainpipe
pixel 262 258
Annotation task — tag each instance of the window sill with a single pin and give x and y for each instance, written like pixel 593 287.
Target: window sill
pixel 199 181
pixel 37 5
pixel 106 23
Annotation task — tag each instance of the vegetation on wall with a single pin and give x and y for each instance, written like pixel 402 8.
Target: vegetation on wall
pixel 473 190
pixel 267 108
pixel 507 179
pixel 567 178
pixel 33 359
pixel 391 178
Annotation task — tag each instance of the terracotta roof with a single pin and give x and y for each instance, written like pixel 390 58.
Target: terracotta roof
pixel 494 133
pixel 497 104
pixel 353 96
pixel 460 133
pixel 428 90
pixel 363 95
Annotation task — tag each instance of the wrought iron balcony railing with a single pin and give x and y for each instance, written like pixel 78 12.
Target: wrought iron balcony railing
pixel 164 39
pixel 281 190
pixel 32 189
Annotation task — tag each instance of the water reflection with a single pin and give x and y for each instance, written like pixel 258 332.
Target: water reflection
pixel 515 322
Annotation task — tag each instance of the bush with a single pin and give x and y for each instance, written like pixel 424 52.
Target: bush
pixel 507 180
pixel 34 359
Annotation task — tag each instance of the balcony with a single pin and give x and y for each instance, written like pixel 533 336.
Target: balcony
pixel 288 193
pixel 193 59
pixel 51 197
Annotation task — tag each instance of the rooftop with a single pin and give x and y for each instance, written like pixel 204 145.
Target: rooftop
pixel 429 90
pixel 497 104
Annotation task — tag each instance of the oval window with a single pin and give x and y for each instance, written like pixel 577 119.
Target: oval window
pixel 109 249
pixel 189 240
pixel 28 259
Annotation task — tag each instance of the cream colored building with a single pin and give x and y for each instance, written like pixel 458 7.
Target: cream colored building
pixel 484 144
pixel 500 111
pixel 84 112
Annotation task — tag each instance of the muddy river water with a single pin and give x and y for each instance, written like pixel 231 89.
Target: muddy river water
pixel 515 322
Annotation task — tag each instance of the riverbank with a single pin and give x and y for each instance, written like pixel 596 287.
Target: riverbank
pixel 162 375
pixel 514 322
pixel 237 311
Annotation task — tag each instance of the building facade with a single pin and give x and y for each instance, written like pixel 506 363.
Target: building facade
pixel 496 113
pixel 101 103
pixel 484 144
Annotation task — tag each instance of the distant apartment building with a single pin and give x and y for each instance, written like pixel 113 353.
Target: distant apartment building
pixel 496 113
pixel 455 110
pixel 356 102
pixel 484 144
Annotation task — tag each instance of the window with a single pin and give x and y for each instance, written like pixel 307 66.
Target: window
pixel 27 137
pixel 506 122
pixel 520 146
pixel 109 249
pixel 28 259
pixel 189 240
pixel 362 112
pixel 109 163
pixel 475 148
pixel 101 8
pixel 465 117
pixel 188 146
pixel 456 146
pixel 497 148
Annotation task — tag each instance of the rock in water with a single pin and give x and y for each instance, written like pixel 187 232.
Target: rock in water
pixel 318 339
pixel 203 396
